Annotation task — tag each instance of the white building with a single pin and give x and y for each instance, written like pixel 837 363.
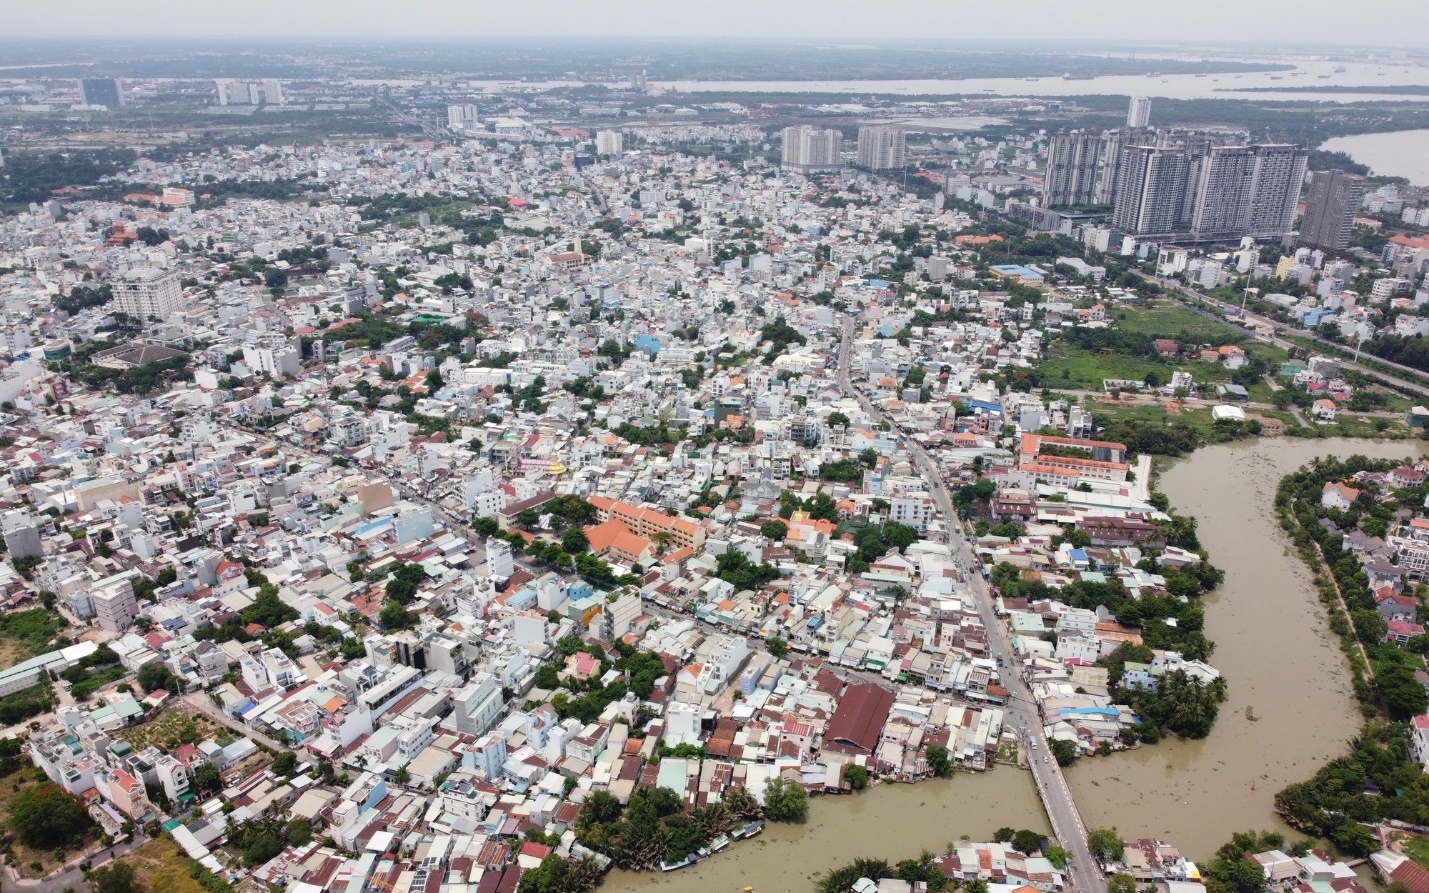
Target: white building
pixel 808 149
pixel 1139 113
pixel 881 147
pixel 146 293
pixel 277 363
pixel 114 606
pixel 1419 741
pixel 477 705
pixel 609 142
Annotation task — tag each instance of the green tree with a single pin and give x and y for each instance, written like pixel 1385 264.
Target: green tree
pixel 207 778
pixel 574 541
pixel 154 676
pixel 263 846
pixel 900 535
pixel 776 646
pixel 785 801
pixel 856 776
pixel 486 526
pixel 1105 844
pixel 774 530
pixel 940 763
pixel 837 420
pixel 395 615
pixel 1028 843
pixel 46 816
pixel 1063 751
pixel 117 877
pixel 285 763
pixel 1121 883
pixel 300 832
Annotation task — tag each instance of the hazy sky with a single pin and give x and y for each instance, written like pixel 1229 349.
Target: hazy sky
pixel 1362 21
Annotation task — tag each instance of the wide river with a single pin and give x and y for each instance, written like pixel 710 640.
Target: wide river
pixel 1271 643
pixel 893 821
pixel 1398 153
pixel 1255 85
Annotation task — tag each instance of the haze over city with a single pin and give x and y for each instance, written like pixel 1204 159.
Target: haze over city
pixel 1273 21
pixel 803 447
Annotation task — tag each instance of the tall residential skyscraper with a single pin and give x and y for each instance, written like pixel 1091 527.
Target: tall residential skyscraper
pixel 1081 168
pixel 1330 209
pixel 808 149
pixel 101 91
pixel 609 142
pixel 461 116
pixel 881 148
pixel 1275 192
pixel 1071 169
pixel 1151 190
pixel 1139 114
pixel 1185 186
pixel 1222 200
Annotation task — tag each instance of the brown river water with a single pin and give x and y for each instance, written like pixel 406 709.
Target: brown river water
pixel 1271 644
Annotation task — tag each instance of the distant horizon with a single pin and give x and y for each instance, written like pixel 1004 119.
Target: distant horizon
pixel 1371 23
pixel 830 40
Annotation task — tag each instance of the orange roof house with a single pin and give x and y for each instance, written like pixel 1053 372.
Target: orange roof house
pixel 613 537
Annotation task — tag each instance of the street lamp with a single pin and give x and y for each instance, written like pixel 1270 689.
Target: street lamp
pixel 1245 298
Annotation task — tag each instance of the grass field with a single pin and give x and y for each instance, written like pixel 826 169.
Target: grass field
pixel 1067 366
pixel 1171 319
pixel 1074 367
pixel 24 634
pixel 1196 418
pixel 160 866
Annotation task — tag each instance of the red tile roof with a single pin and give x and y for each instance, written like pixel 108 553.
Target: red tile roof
pixel 859 719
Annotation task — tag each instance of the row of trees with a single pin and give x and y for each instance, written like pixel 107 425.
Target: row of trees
pixel 1345 792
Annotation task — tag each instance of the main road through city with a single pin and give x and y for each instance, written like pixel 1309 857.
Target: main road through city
pixel 1022 714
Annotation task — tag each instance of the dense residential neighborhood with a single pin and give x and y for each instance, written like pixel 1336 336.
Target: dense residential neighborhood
pixel 488 511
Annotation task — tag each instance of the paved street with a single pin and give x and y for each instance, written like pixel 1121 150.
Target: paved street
pixel 1022 714
pixel 201 702
pixel 71 877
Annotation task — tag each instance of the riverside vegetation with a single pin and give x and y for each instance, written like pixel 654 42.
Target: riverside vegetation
pixel 1346 791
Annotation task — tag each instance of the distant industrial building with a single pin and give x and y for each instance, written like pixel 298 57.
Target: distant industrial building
pixel 101 91
pixel 808 149
pixel 236 92
pixel 881 148
pixel 1330 209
